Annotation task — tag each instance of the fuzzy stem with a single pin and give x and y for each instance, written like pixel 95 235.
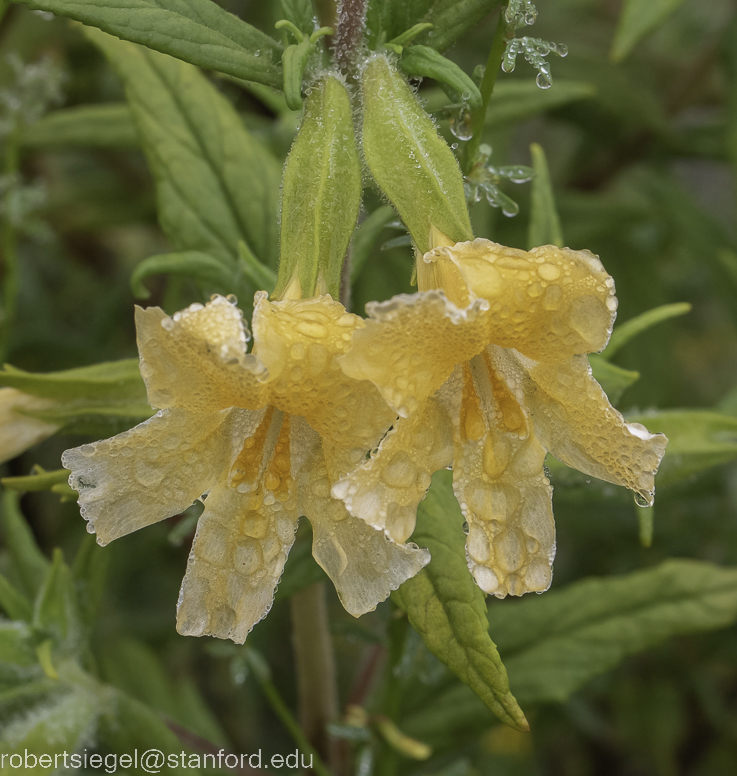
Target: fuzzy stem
pixel 317 686
pixel 9 245
pixel 349 34
pixel 502 35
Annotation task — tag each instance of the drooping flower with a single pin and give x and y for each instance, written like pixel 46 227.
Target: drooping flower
pixel 19 430
pixel 264 435
pixel 487 368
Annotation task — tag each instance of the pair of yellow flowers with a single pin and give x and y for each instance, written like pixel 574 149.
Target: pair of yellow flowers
pixel 484 369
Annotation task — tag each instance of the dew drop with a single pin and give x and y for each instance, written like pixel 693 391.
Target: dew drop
pixel 644 499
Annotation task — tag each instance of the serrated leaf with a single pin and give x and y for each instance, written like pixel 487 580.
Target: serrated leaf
pixel 190 264
pixel 84 126
pixel 426 62
pixel 554 644
pixel 196 31
pixel 632 328
pixel 544 227
pixel 612 378
pixel 30 564
pixel 637 19
pixel 216 184
pixel 448 609
pixel 697 440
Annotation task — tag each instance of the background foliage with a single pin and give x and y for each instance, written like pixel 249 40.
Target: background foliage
pixel 637 148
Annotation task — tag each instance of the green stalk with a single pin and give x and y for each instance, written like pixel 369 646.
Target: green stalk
pixel 317 686
pixel 9 246
pixel 280 708
pixel 502 35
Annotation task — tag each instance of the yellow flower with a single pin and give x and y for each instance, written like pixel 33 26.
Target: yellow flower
pixel 489 373
pixel 264 435
pixel 19 431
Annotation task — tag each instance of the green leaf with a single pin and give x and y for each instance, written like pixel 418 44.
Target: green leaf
pixel 451 19
pixel 89 571
pixel 106 382
pixel 637 19
pixel 554 644
pixel 215 183
pixel 300 13
pixel 426 62
pixel 13 602
pixel 697 440
pixel 85 126
pixel 62 722
pixel 35 482
pixel 635 326
pixel 515 101
pixel 448 609
pixel 321 193
pixel 56 610
pixel 16 648
pixel 366 235
pixel 29 563
pixel 197 31
pixel 544 228
pixel 259 274
pixel 294 62
pixel 191 264
pixel 612 378
pixel 127 724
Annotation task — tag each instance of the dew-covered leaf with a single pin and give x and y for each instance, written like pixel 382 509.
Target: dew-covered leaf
pixel 196 31
pixel 637 19
pixel 426 62
pixel 216 184
pixel 553 644
pixel 448 609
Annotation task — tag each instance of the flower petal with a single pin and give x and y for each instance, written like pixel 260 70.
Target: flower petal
pixel 386 489
pixel 411 345
pixel 364 564
pixel 197 359
pixel 18 432
pixel 237 558
pixel 298 341
pixel 499 481
pixel 549 303
pixel 153 471
pixel 578 425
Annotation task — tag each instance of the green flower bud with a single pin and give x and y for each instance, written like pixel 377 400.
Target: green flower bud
pixel 321 195
pixel 411 163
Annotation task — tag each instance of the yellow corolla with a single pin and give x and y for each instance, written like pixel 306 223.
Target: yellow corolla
pixel 264 435
pixel 487 367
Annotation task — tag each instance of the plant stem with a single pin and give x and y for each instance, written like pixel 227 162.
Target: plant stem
pixel 317 685
pixel 349 34
pixel 502 35
pixel 9 244
pixel 280 708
